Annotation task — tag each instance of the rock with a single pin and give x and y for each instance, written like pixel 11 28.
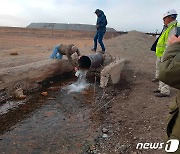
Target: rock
pixel 123 148
pixel 108 98
pixel 49 114
pixel 105 130
pixel 135 138
pixel 51 98
pixel 19 93
pixel 22 96
pixel 75 97
pixel 44 93
pixel 149 128
pixel 92 147
pixel 104 135
pixel 112 71
pixel 14 53
pixel 98 98
pixel 54 88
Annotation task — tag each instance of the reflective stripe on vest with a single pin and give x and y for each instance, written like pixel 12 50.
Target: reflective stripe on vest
pixel 161 44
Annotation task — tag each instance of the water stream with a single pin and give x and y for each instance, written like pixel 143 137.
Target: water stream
pixel 80 84
pixel 45 125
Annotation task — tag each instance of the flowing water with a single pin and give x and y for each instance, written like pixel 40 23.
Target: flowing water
pixel 57 123
pixel 80 84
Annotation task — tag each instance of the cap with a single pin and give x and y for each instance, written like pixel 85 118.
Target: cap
pixel 170 12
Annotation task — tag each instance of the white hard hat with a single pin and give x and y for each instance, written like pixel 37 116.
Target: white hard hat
pixel 170 12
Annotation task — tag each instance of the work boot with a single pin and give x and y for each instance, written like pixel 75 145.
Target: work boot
pixel 161 95
pixel 102 52
pixel 155 80
pixel 156 91
pixel 93 50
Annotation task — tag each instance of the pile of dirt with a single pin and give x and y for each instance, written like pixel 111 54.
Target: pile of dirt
pixel 132 43
pixel 135 47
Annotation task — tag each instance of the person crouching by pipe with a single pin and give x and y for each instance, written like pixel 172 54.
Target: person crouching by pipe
pixel 67 50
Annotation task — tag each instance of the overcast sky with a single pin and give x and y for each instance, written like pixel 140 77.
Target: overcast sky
pixel 123 15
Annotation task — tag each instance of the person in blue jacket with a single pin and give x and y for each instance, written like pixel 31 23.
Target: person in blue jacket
pixel 101 30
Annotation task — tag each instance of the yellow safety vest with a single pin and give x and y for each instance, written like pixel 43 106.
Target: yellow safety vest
pixel 162 41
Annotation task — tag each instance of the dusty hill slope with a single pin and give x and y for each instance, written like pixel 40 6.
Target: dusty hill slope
pixel 134 46
pixel 135 43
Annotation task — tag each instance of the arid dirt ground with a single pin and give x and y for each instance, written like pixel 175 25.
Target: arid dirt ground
pixel 121 115
pixel 30 48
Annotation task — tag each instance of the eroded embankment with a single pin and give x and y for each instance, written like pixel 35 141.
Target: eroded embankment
pixel 28 77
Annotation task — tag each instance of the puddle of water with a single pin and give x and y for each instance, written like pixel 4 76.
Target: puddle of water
pixel 80 84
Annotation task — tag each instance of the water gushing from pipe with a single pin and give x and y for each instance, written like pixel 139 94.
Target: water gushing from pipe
pixel 80 84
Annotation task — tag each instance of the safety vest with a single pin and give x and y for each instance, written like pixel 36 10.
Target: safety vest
pixel 162 41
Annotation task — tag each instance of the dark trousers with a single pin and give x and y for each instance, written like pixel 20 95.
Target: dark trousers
pixel 99 37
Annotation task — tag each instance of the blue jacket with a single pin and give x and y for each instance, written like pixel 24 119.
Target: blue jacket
pixel 102 22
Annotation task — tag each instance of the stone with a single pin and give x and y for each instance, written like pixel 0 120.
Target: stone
pixel 44 93
pixel 22 96
pixel 75 97
pixel 104 130
pixel 14 53
pixel 19 93
pixel 112 71
pixel 51 98
pixel 54 88
pixel 104 135
pixel 92 147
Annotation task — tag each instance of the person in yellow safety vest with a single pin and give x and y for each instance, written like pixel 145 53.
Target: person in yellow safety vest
pixel 170 26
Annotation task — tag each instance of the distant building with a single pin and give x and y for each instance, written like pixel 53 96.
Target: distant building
pixel 63 26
